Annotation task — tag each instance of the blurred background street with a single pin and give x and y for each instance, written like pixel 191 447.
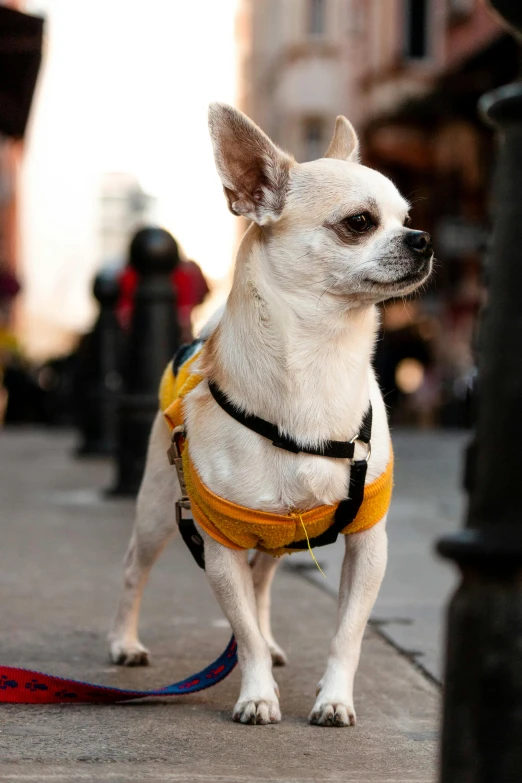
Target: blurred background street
pixel 113 143
pixel 115 248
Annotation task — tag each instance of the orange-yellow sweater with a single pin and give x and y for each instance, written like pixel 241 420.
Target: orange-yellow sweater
pixel 243 528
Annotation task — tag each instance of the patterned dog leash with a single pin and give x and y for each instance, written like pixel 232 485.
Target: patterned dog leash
pixel 22 686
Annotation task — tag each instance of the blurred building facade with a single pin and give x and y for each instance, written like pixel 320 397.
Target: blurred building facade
pixel 8 201
pixel 409 74
pixel 295 74
pixel 21 38
pixel 20 54
pixel 19 51
pixel 124 207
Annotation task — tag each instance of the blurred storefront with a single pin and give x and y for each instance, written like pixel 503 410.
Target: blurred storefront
pixel 440 154
pixel 409 74
pixel 429 138
pixel 20 55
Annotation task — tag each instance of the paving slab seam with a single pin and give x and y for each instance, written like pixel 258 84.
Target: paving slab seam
pixel 377 626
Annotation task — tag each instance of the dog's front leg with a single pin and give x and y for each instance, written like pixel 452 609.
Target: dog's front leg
pixel 362 573
pixel 263 569
pixel 231 578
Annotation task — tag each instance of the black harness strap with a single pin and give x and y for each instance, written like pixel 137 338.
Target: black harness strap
pixel 192 538
pixel 347 509
pixel 338 449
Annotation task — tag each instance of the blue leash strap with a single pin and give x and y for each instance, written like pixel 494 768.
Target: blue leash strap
pixel 22 686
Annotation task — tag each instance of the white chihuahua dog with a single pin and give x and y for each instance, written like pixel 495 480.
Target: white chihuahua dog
pixel 328 241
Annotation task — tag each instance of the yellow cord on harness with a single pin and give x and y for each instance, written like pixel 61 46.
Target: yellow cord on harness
pixel 310 548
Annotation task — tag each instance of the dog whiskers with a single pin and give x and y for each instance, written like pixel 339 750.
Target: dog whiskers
pixel 329 288
pixel 318 282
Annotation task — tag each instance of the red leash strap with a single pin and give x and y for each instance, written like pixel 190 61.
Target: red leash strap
pixel 22 686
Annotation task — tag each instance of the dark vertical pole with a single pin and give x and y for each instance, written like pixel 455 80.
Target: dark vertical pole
pixel 153 340
pixel 98 379
pixel 482 727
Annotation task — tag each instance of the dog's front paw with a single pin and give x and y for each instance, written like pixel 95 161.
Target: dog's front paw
pixel 128 653
pixel 257 711
pixel 332 713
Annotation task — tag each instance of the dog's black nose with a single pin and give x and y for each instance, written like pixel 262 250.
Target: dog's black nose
pixel 420 241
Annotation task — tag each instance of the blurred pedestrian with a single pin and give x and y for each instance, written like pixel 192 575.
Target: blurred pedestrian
pixel 191 289
pixel 9 287
pixel 22 399
pixel 405 363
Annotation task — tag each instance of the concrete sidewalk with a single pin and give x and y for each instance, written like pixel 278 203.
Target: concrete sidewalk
pixel 61 548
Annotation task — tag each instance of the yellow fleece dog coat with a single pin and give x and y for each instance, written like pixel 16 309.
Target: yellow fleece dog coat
pixel 243 528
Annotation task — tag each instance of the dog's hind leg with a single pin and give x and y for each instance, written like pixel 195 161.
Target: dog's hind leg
pixel 155 525
pixel 263 570
pixel 363 569
pixel 230 575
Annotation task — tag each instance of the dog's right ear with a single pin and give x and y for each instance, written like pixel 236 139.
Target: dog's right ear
pixel 345 144
pixel 253 171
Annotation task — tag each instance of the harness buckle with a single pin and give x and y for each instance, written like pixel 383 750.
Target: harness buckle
pixel 183 504
pixel 186 526
pixel 368 448
pixel 174 455
pixel 174 451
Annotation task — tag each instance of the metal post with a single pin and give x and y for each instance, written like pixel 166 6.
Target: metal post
pixel 153 340
pixel 482 726
pixel 98 378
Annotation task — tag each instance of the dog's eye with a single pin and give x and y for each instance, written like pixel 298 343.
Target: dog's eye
pixel 359 223
pixel 407 221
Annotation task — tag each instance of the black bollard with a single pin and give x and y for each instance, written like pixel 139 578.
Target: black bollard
pixel 482 726
pixel 98 373
pixel 153 340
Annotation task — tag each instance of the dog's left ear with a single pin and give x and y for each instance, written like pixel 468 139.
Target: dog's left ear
pixel 345 144
pixel 253 171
